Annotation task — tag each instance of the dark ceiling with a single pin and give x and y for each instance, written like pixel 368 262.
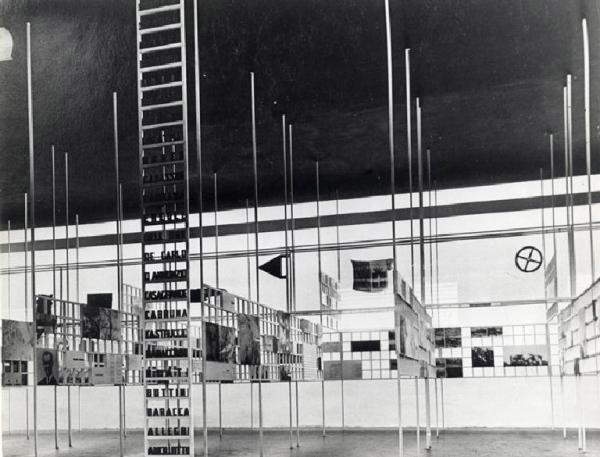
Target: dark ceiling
pixel 489 74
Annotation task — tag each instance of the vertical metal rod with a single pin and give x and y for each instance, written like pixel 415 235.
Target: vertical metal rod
pixel 290 408
pixel 427 415
pixel 78 299
pixel 285 215
pixel 198 127
pixel 62 297
pixel 26 297
pixel 251 405
pixel 437 252
pixel 260 416
pixel 198 138
pixel 339 273
pixel 32 197
pixel 8 289
pixel 390 90
pixel 220 414
pixel 572 262
pixel 320 264
pixel 120 266
pixel 430 222
pixel 8 389
pixel 410 175
pixel 248 251
pixel 297 417
pixel 216 230
pixel 588 165
pixel 544 253
pixel 255 167
pixel 342 380
pixel 117 222
pixel 293 220
pixel 437 423
pixel 442 401
pixel 68 282
pixel 418 415
pixel 563 406
pixel 553 205
pixel 421 226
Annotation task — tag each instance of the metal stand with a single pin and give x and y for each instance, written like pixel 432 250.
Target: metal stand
pixel 260 417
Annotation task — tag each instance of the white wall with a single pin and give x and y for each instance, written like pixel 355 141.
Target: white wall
pixel 490 402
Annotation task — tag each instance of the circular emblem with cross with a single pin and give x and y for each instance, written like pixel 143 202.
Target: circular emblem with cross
pixel 528 259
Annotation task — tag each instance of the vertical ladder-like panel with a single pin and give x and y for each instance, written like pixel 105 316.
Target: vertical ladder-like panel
pixel 163 171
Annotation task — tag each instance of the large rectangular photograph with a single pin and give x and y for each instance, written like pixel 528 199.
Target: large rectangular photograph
pixel 526 355
pixel 17 340
pixel 248 339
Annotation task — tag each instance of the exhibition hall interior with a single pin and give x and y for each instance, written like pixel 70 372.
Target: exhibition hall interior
pixel 306 228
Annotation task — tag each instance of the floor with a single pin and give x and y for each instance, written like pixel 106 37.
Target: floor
pixel 451 443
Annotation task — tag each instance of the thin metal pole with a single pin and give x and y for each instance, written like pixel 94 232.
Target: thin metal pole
pixel 251 405
pixel 120 266
pixel 216 230
pixel 430 232
pixel 572 263
pixel 248 251
pixel 116 150
pixel 297 417
pixel 421 226
pixel 255 167
pixel 437 423
pixel 78 299
pixel 293 220
pixel 563 406
pixel 26 297
pixel 437 252
pixel 320 262
pixel 290 408
pixel 32 197
pixel 553 205
pixel 62 297
pixel 544 252
pixel 285 215
pixel 388 36
pixel 9 390
pixel 427 415
pixel 442 401
pixel 409 151
pixel 198 127
pixel 339 272
pixel 588 165
pixel 68 282
pixel 418 415
pixel 220 414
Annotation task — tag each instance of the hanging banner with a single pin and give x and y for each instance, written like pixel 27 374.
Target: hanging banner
pixel 372 275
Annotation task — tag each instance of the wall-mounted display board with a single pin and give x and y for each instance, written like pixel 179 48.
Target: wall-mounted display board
pixel 513 350
pixel 74 334
pixel 579 334
pixel 270 344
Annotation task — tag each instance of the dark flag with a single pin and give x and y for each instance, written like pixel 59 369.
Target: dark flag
pixel 371 275
pixel 275 267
